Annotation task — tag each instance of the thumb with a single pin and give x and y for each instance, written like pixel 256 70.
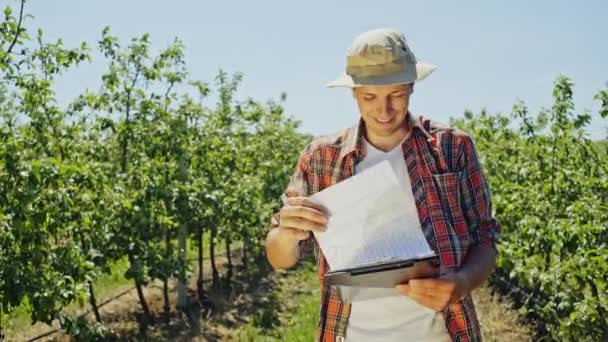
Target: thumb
pixel 403 288
pixel 302 234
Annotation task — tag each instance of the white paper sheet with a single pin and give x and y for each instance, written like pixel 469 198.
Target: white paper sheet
pixel 372 219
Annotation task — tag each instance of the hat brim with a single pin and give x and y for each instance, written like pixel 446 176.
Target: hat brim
pixel 410 75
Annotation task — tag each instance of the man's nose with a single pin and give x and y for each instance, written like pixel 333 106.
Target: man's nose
pixel 386 106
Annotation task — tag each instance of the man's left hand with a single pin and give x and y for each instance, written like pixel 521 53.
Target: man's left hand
pixel 436 293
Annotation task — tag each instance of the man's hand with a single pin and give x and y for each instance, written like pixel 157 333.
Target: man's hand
pixel 297 219
pixel 436 293
pixel 300 216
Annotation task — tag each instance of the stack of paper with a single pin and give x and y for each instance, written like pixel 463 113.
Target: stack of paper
pixel 372 219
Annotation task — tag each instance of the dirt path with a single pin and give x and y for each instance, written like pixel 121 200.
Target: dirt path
pixel 499 320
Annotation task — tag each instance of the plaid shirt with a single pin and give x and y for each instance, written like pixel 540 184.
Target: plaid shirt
pixel 452 199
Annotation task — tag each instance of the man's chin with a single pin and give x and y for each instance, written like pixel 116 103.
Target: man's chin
pixel 385 131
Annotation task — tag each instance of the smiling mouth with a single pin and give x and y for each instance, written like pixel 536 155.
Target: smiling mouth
pixel 384 121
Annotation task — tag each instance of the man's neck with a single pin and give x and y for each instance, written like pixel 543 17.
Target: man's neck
pixel 387 143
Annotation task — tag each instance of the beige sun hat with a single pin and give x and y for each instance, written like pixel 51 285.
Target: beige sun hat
pixel 381 57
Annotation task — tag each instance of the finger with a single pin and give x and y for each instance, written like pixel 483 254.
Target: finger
pixel 298 233
pixel 403 288
pixel 406 289
pixel 436 302
pixel 303 224
pixel 429 302
pixel 430 293
pixel 304 212
pixel 431 283
pixel 305 202
pixel 429 297
pixel 436 287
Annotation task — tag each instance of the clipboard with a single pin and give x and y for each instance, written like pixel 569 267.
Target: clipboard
pixel 385 274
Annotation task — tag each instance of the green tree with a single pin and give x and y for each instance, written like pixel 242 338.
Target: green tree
pixel 550 192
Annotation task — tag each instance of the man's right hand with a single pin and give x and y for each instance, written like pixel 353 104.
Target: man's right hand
pixel 300 216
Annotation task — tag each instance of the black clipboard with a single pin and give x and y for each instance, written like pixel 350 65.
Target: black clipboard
pixel 385 274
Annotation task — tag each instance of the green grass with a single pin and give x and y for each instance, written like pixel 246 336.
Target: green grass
pixel 298 300
pixel 19 318
pixel 106 283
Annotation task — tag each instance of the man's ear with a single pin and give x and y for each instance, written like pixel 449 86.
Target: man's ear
pixel 353 92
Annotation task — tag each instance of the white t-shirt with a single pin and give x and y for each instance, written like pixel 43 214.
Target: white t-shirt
pixel 392 316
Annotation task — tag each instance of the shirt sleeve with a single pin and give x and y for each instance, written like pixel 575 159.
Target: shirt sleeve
pixel 298 186
pixel 483 228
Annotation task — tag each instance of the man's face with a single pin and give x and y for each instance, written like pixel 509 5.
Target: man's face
pixel 383 108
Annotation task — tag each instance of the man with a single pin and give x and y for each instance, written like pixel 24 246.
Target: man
pixel 439 168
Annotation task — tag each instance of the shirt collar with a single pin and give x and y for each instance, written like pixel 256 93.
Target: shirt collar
pixel 353 142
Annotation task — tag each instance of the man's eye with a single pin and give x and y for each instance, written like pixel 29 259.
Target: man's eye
pixel 368 98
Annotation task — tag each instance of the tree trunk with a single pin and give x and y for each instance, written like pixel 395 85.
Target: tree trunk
pixel 168 252
pixel 147 318
pixel 166 307
pixel 245 261
pixel 214 272
pixel 229 256
pixel 199 283
pixel 92 299
pixel 182 288
pixel 93 302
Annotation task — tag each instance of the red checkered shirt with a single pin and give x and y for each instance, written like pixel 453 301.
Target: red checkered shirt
pixel 452 198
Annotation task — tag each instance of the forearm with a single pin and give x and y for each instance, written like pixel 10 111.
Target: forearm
pixel 478 266
pixel 282 250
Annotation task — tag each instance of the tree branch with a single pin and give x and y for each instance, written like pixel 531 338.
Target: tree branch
pixel 10 48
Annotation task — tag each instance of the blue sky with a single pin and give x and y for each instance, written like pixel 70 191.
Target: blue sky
pixel 489 54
